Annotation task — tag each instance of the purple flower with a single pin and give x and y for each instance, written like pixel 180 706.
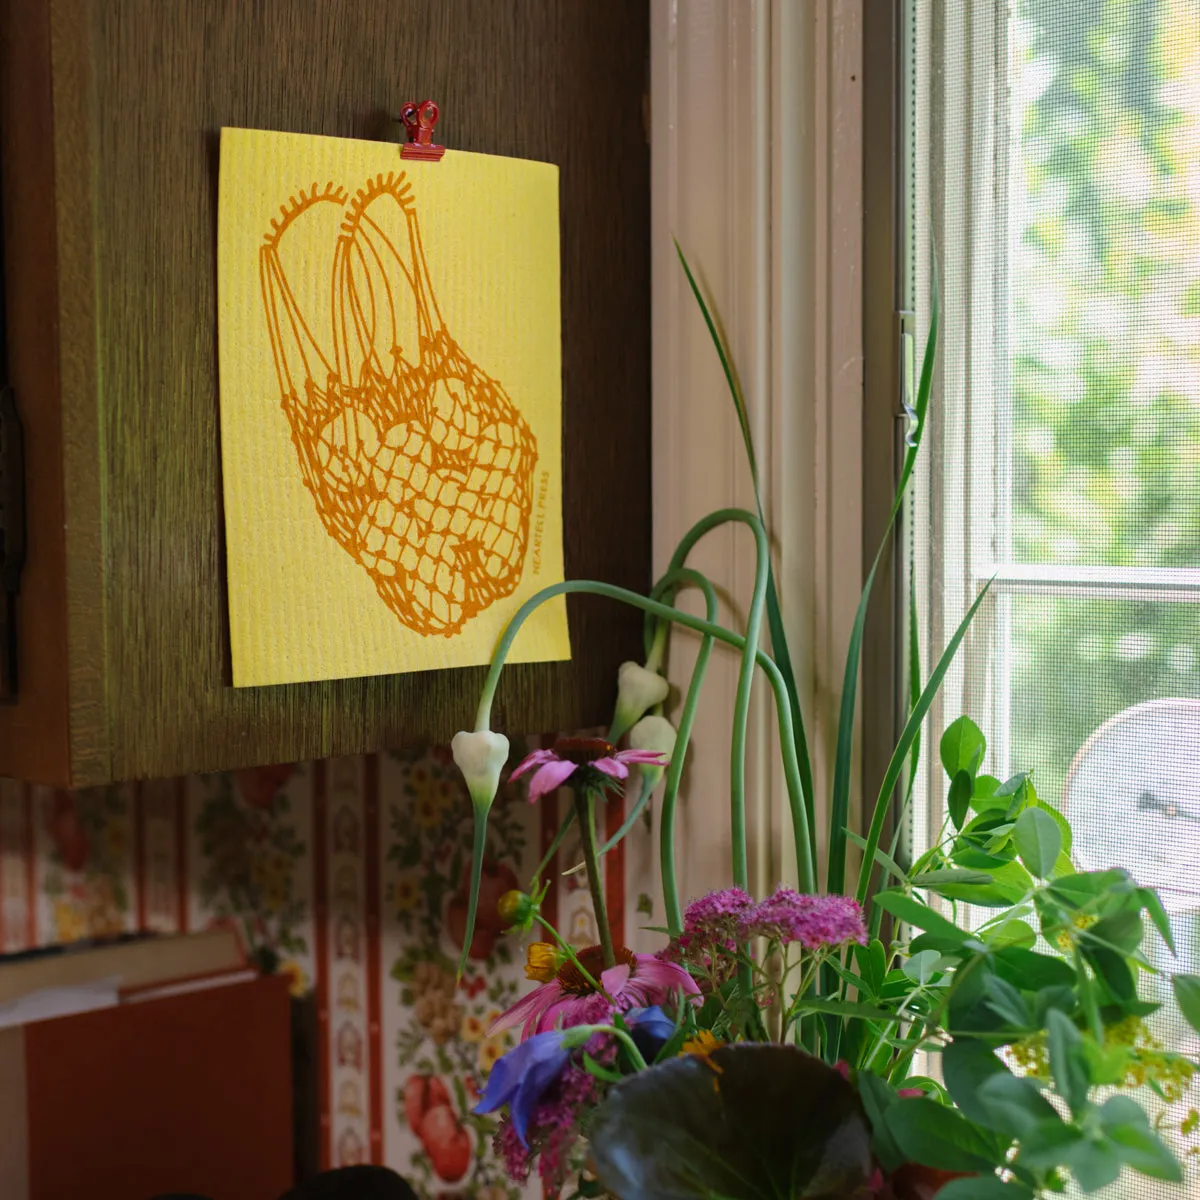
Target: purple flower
pixel 547 1093
pixel 813 921
pixel 553 1132
pixel 651 1029
pixel 717 916
pixel 637 981
pixel 521 1078
pixel 595 763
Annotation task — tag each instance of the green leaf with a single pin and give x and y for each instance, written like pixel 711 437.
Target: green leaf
pixel 840 805
pixel 1011 933
pixel 1007 1002
pixel 843 1008
pixel 1153 905
pixel 921 916
pixel 911 728
pixel 1064 826
pixel 959 800
pixel 937 1136
pixel 1018 791
pixel 937 879
pixel 1057 995
pixel 1068 1064
pixel 1187 996
pixel 1013 1105
pixel 1122 932
pixel 687 1130
pixel 1085 887
pixel 984 1187
pixel 1094 1164
pixel 884 860
pixel 920 967
pixel 877 1097
pixel 1038 841
pixel 1114 970
pixel 1008 884
pixel 966 1064
pixel 1128 1128
pixel 872 964
pixel 984 796
pixel 779 643
pixel 843 760
pixel 962 747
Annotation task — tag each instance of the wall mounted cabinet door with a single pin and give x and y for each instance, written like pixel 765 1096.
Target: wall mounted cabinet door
pixel 110 128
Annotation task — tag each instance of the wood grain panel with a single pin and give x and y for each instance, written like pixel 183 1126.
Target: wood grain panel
pixel 34 732
pixel 144 87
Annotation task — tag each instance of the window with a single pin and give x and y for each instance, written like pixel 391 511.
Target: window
pixel 1054 154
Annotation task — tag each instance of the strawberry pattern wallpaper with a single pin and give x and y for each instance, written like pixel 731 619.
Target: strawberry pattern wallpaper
pixel 349 876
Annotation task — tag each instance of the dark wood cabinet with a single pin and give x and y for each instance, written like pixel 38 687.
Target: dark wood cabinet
pixel 109 130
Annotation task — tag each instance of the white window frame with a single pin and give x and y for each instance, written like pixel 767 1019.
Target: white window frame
pixel 956 123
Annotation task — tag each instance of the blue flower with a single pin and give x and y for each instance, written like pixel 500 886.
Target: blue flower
pixel 650 1029
pixel 522 1076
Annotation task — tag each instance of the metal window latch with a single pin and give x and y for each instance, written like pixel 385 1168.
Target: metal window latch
pixel 907 412
pixel 12 536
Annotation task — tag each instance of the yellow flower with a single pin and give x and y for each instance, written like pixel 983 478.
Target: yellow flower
pixel 407 892
pixel 427 810
pixel 69 922
pixel 702 1045
pixel 542 961
pixel 473 1028
pixel 490 1050
pixel 1066 939
pixel 296 975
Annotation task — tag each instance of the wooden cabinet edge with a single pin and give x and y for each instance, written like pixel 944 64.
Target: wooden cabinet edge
pixel 35 727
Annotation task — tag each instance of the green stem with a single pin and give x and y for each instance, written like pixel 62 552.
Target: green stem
pixel 666 829
pixel 635 812
pixel 584 806
pixel 554 845
pixel 572 957
pixel 479 845
pixel 630 1046
pixel 719 633
pixel 741 704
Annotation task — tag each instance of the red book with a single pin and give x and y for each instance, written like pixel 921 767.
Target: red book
pixel 185 1092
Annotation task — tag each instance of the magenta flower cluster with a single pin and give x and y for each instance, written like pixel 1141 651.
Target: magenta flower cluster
pixel 786 916
pixel 555 1130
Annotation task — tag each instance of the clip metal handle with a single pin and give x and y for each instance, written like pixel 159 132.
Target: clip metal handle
pixel 419 118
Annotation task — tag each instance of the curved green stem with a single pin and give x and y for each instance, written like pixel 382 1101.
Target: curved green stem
pixel 554 845
pixel 666 828
pixel 791 766
pixel 741 704
pixel 590 587
pixel 719 633
pixel 583 1033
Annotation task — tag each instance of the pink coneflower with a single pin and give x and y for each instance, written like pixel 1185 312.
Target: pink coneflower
pixel 596 763
pixel 568 998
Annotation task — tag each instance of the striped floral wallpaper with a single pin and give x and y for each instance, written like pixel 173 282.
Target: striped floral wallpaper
pixel 349 876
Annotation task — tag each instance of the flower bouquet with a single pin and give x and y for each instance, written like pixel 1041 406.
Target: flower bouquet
pixel 978 1023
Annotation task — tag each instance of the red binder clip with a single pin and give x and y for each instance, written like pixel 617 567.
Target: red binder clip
pixel 419 120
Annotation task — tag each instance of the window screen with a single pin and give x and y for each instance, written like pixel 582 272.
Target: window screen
pixel 1055 162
